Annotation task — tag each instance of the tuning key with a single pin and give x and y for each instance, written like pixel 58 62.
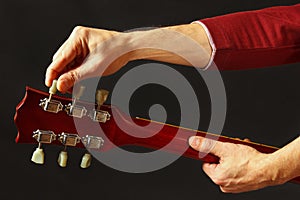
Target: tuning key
pixel 101 97
pixel 38 156
pixel 78 92
pixel 66 139
pixel 90 142
pixel 75 110
pixel 86 161
pixel 98 115
pixel 53 89
pixel 62 158
pixel 42 137
pixel 50 105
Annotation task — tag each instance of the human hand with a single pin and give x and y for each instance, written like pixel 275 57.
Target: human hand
pixel 241 168
pixel 70 64
pixel 90 52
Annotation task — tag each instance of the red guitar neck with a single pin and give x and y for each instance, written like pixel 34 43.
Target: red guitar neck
pixel 174 139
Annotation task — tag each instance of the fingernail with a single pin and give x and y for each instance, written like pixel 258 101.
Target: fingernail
pixel 194 141
pixel 46 82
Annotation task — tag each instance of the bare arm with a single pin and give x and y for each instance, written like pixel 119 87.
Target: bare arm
pixel 286 160
pixel 177 38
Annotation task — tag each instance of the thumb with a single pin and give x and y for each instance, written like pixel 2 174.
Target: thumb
pixel 206 145
pixel 67 80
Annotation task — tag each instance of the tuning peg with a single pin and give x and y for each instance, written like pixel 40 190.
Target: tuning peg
pixel 78 91
pixel 90 142
pixel 97 114
pixel 50 105
pixel 76 110
pixel 38 156
pixel 53 88
pixel 101 96
pixel 62 158
pixel 66 139
pixel 42 137
pixel 86 160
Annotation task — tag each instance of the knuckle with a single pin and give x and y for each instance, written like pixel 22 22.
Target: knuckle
pixel 63 58
pixel 219 181
pixel 224 190
pixel 207 145
pixel 74 76
pixel 50 71
pixel 79 31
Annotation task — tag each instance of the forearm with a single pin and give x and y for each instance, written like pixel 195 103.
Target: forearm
pixel 183 44
pixel 287 161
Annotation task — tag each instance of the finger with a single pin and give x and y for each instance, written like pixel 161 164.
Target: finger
pixel 206 145
pixel 66 56
pixel 67 80
pixel 60 50
pixel 209 168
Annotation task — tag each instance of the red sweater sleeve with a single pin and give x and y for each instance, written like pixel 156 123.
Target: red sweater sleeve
pixel 254 39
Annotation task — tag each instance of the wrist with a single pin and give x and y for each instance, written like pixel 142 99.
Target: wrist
pixel 265 170
pixel 277 168
pixel 138 42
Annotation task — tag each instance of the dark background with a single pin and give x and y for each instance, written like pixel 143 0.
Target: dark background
pixel 263 104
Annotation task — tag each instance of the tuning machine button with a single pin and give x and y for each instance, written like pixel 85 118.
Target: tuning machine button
pixel 75 110
pixel 62 158
pixel 90 142
pixel 101 97
pixel 86 161
pixel 42 137
pixel 50 105
pixel 97 114
pixel 66 139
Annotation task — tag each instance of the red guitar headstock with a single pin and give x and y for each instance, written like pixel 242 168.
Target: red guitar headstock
pixel 50 119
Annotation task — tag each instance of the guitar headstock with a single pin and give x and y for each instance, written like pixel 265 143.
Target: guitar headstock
pixel 48 119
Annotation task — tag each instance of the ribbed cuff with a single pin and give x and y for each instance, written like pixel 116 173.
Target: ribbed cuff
pixel 211 42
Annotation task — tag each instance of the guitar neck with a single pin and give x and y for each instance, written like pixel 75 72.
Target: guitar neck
pixel 175 139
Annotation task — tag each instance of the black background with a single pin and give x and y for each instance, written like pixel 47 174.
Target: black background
pixel 263 104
